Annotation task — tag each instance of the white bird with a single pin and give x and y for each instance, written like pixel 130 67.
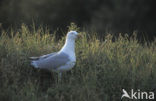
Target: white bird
pixel 60 61
pixel 125 94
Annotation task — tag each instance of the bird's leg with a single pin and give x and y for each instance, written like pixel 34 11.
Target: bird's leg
pixel 59 77
pixel 52 77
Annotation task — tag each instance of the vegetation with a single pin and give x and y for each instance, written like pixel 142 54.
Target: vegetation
pixel 103 68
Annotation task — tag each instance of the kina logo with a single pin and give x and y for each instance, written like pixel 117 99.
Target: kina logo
pixel 137 94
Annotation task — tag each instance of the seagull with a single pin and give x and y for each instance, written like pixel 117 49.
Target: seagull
pixel 60 61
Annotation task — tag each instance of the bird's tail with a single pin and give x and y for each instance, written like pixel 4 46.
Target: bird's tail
pixel 34 64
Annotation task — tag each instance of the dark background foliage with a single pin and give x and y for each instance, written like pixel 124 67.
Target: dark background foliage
pixel 115 16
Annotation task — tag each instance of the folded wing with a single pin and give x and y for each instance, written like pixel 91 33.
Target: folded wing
pixel 51 62
pixel 42 57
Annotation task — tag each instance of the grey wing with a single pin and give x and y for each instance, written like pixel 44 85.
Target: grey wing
pixel 43 56
pixel 54 61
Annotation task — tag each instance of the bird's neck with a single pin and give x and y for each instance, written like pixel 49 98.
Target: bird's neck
pixel 69 46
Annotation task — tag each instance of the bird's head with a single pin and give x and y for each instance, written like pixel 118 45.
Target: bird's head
pixel 72 35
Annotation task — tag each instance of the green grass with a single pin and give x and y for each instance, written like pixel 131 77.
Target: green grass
pixel 103 68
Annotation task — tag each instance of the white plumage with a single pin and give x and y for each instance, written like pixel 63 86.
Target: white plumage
pixel 60 61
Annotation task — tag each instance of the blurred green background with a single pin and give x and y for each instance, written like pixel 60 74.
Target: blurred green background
pixel 113 16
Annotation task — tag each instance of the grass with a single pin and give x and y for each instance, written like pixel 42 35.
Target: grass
pixel 102 70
